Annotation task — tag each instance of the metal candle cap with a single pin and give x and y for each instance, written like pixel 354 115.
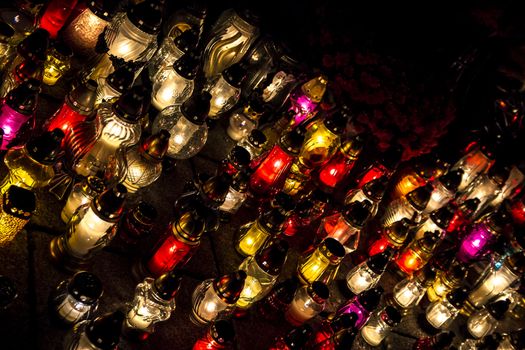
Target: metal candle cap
pixel 375 189
pixel 19 202
pixel 156 146
pixel 104 331
pixel 398 231
pixel 292 141
pixel 217 187
pixel 517 262
pixel 167 285
pixel 239 155
pixel 93 185
pixel 240 180
pixel 336 123
pixel 343 321
pixel 498 308
pixel 222 331
pixel 82 98
pixel 110 203
pixel 356 213
pixel 85 287
pixel 352 148
pixel 229 287
pixel 35 45
pixel 103 9
pixel 426 275
pixel 189 226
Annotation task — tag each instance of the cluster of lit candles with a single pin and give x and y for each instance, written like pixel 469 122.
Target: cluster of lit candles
pixel 425 219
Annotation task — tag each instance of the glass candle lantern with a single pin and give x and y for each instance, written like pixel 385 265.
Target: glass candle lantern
pixel 366 275
pixel 329 330
pixel 447 281
pixel 6 44
pixel 111 88
pixel 409 292
pixel 137 223
pixel 385 166
pixel 100 333
pixel 17 109
pixel 417 253
pixel 21 73
pixel 413 176
pixel 82 33
pixel 262 271
pixel 438 341
pixel 76 299
pixel 373 192
pixel 219 336
pixel 237 193
pixel 277 301
pixel 55 16
pixel 189 17
pixel 444 189
pixel 337 169
pixel 186 125
pixel 476 242
pixel 216 297
pixel 253 235
pixel 231 37
pixel 307 303
pixel 144 162
pixel 255 144
pixel 296 339
pixel 322 263
pixel 237 160
pixel 307 211
pixel 305 98
pixel 77 107
pixel 346 226
pixel 440 314
pixel 154 302
pixel 89 230
pixel 463 215
pixel 477 161
pixel 393 236
pixel 174 84
pixel 409 206
pixel 31 166
pixel 130 37
pixel 438 220
pixel 170 51
pixel 496 281
pixel 362 305
pixel 484 322
pixel 269 176
pixel 16 208
pixel 379 325
pixel 57 63
pixel 82 193
pixel 245 119
pixel 513 341
pixel 118 126
pixel 176 248
pixel 225 90
pixel 511 188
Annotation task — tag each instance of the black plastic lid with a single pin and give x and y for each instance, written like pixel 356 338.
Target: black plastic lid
pixel 286 290
pixel 391 316
pixel 298 337
pixel 498 308
pixel 392 156
pixel 292 141
pixel 167 285
pixel 62 50
pixel 356 213
pixel 378 263
pixel 370 298
pixel 239 155
pixel 8 291
pixel 442 216
pixel 517 262
pixel 398 231
pixel 420 196
pixel 334 247
pixel 429 240
pixel 19 202
pixel 46 147
pixel 187 40
pixel 104 9
pixel 452 179
pixel 187 66
pixel 104 331
pixel 318 291
pixel 458 296
pixel 470 206
pixel 82 98
pixel 272 258
pixel 6 31
pixel 110 203
pixel 343 321
pixel 131 105
pixel 273 220
pixel 257 138
pixel 222 331
pixel 444 339
pixel 284 202
pixel 190 225
pixel 85 287
pixel 197 107
pixel 375 189
pixel 35 45
pixel 24 97
pixel 344 340
pixel 319 196
pixel 146 16
pixel 499 173
pixel 229 287
pixel 122 78
pixel 336 123
pixel 235 75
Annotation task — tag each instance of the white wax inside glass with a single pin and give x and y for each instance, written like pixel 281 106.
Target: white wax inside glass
pixel 210 307
pixel 74 201
pixel 299 312
pixel 372 335
pixel 138 317
pixel 87 233
pixel 72 310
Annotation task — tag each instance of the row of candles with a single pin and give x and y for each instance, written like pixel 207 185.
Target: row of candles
pixel 301 160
